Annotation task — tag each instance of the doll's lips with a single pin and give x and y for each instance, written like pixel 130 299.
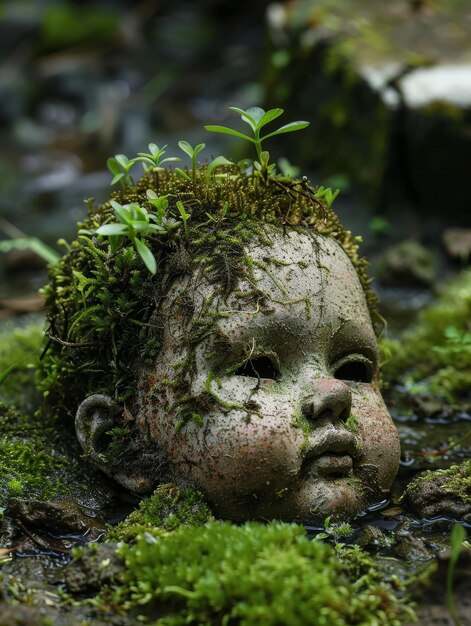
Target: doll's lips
pixel 331 455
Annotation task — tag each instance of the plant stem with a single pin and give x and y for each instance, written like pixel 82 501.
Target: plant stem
pixel 450 601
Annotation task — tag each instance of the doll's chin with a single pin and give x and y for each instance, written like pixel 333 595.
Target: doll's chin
pixel 308 504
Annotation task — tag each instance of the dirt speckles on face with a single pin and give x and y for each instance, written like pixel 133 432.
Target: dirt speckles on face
pixel 273 438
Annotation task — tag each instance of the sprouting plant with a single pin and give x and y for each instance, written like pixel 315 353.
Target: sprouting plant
pixel 257 118
pixel 160 203
pixel 458 535
pixel 192 153
pixel 153 159
pixel 184 215
pixel 134 222
pixel 327 195
pixel 120 165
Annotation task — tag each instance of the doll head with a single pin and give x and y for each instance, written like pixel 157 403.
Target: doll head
pixel 263 388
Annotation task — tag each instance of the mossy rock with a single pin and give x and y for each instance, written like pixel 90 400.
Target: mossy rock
pixel 168 508
pixel 445 493
pixel 435 355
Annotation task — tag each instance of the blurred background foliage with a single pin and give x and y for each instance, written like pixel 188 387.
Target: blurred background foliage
pixel 387 87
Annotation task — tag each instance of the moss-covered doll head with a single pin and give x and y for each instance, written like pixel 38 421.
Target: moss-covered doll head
pixel 246 365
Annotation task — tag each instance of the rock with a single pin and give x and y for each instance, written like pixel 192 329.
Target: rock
pixel 444 493
pixel 98 565
pixel 406 264
pixel 58 517
pixel 369 536
pixel 457 242
pixel 390 82
pixel 412 548
pixel 427 405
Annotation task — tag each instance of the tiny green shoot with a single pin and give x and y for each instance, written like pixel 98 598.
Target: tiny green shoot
pixel 192 153
pixel 458 535
pixel 184 215
pixel 134 221
pixel 257 118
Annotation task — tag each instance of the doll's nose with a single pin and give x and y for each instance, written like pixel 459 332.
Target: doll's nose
pixel 329 399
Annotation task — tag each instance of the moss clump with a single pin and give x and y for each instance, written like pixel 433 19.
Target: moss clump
pixel 40 459
pixel 168 508
pixel 253 574
pixel 19 355
pixel 30 464
pixel 455 481
pixel 102 306
pixel 437 351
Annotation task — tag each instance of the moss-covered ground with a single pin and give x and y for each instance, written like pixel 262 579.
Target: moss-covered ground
pixel 435 355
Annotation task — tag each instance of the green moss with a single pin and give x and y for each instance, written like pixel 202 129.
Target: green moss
pixel 30 463
pixel 352 423
pixel 168 508
pixel 253 574
pixel 437 351
pixel 456 481
pixel 20 349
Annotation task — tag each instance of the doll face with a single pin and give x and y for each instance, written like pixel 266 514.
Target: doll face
pixel 284 418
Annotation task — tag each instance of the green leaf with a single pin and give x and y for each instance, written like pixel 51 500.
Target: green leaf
pixel 269 116
pixel 113 165
pixel 150 193
pixel 181 173
pixel 43 250
pixel 124 214
pixel 117 178
pixel 170 159
pixel 155 150
pixel 115 241
pixel 112 229
pixel 256 114
pixel 141 226
pixel 186 147
pixel 288 128
pixel 228 131
pixel 458 535
pixel 145 158
pixel 220 160
pixel 248 119
pixel 182 210
pixel 4 375
pixel 122 160
pixel 198 149
pixel 146 255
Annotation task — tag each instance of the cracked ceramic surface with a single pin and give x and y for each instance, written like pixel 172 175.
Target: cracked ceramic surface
pixel 308 437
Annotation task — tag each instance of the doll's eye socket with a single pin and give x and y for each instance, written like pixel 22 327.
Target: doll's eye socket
pixel 260 367
pixel 356 371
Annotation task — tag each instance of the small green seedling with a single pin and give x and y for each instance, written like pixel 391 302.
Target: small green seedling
pixel 134 221
pixel 184 215
pixel 257 118
pixel 327 195
pixel 458 535
pixel 120 166
pixel 153 159
pixel 192 153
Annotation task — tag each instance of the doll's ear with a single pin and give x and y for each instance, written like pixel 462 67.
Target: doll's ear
pixel 95 417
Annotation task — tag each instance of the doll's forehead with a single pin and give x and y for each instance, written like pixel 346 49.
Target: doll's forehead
pixel 300 286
